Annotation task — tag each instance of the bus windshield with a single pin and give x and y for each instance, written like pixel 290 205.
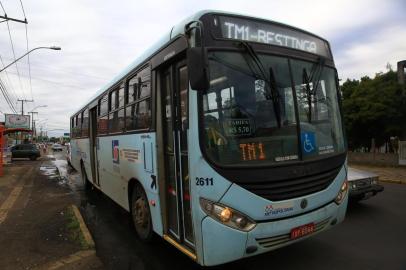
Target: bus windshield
pixel 249 112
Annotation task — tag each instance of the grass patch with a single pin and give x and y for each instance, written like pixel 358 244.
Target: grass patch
pixel 73 226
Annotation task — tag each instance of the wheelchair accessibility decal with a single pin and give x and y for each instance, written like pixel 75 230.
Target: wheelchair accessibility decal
pixel 308 142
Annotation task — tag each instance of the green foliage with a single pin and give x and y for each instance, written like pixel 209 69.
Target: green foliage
pixel 373 108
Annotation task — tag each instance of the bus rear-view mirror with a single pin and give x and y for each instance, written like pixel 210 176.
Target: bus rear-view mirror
pixel 198 68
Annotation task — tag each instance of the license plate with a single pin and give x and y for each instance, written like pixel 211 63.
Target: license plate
pixel 302 231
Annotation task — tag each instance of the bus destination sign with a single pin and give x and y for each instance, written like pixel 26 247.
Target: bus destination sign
pixel 256 31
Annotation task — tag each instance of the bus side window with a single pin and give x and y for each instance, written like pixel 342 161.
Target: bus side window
pixel 72 131
pixel 85 123
pixel 121 96
pixel 143 114
pixel 132 89
pixel 138 112
pixel 113 100
pixel 144 83
pixel 103 105
pixel 78 125
pixel 102 124
pixel 129 117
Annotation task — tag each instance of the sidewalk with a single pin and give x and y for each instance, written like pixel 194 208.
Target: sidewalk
pixel 34 224
pixel 386 174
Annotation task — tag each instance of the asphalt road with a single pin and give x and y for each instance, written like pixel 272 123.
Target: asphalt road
pixel 373 236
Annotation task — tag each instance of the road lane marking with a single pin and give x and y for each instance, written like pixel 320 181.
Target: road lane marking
pixel 9 202
pixel 14 194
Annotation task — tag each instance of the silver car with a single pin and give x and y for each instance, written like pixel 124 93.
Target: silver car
pixel 57 147
pixel 363 184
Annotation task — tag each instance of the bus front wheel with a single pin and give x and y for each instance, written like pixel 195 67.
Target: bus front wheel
pixel 141 215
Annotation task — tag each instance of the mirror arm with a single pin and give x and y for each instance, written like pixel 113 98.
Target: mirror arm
pixel 198 25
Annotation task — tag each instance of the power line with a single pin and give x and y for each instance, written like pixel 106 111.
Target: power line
pixel 28 60
pixel 12 47
pixel 62 70
pixel 6 97
pixel 3 8
pixel 28 56
pixel 14 54
pixel 22 7
pixel 58 83
pixel 9 81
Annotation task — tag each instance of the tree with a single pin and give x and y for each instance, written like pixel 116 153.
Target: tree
pixel 373 108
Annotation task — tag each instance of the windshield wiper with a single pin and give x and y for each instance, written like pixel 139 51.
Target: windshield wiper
pixel 308 94
pixel 273 94
pixel 316 72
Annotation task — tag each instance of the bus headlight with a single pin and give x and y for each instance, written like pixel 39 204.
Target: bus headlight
pixel 227 215
pixel 341 194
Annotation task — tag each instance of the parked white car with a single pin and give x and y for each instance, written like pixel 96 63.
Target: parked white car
pixel 57 147
pixel 363 185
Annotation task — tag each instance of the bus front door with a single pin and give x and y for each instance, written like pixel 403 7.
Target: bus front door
pixel 174 85
pixel 93 145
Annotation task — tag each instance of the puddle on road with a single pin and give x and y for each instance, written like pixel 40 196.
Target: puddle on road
pixel 49 170
pixel 58 170
pixel 61 165
pixel 53 173
pixel 50 157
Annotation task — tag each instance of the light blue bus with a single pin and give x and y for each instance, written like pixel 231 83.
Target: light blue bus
pixel 225 138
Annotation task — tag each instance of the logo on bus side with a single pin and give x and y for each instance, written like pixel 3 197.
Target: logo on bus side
pixel 115 151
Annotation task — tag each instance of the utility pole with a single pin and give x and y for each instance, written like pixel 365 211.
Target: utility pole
pixel 34 129
pixel 22 104
pixel 32 118
pixel 6 18
pixel 32 124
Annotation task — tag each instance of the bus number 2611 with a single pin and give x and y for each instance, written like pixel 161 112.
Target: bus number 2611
pixel 201 181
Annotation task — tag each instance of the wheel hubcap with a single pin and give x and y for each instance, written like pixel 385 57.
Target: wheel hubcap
pixel 141 213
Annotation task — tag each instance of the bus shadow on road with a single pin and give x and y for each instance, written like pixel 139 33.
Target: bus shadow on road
pixel 362 209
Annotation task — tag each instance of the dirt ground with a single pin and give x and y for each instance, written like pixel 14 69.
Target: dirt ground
pixel 33 219
pixel 386 174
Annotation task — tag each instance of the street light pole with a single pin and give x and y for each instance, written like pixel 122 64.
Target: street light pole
pixel 32 113
pixel 51 48
pixel 40 106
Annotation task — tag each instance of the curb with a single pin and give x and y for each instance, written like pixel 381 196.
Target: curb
pixel 83 228
pixel 67 261
pixel 392 181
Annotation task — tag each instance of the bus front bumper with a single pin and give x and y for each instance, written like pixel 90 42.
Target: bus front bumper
pixel 223 244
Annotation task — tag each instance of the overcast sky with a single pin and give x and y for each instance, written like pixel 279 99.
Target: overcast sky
pixel 100 38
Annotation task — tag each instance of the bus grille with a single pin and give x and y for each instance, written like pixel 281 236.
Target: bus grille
pixel 292 188
pixel 269 242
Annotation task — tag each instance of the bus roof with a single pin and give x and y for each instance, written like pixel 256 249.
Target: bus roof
pixel 175 31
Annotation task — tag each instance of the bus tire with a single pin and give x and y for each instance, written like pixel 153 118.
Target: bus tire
pixel 141 214
pixel 84 178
